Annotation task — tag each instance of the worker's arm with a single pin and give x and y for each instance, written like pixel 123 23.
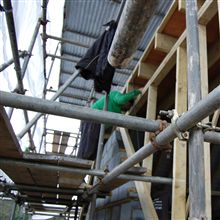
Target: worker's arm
pixel 124 98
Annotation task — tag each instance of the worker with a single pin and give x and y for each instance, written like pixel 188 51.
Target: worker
pixel 118 103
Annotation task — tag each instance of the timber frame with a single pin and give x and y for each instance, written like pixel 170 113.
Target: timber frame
pixel 166 58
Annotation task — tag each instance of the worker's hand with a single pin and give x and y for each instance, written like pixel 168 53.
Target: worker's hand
pixel 137 92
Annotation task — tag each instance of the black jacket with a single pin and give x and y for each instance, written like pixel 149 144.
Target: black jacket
pixel 94 65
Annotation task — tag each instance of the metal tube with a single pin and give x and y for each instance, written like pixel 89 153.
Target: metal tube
pixel 212 137
pixel 92 207
pixel 19 187
pixel 13 40
pixel 83 113
pixel 32 147
pixel 21 54
pixel 130 31
pixel 49 214
pixel 44 22
pixel 63 58
pixel 197 188
pixel 38 115
pixel 51 67
pixel 99 173
pixel 200 110
pixel 67 41
pixel 30 48
pixel 122 4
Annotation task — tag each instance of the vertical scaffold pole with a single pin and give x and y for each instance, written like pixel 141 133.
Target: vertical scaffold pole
pixel 98 160
pixel 196 151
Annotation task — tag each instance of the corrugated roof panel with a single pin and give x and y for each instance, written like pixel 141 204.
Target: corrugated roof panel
pixel 72 101
pixel 89 15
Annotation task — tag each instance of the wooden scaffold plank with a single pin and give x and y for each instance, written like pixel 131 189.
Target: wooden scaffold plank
pixel 151 114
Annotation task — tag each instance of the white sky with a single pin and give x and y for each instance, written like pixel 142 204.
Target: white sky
pixel 26 14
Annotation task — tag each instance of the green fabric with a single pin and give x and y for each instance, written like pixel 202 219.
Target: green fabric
pixel 116 100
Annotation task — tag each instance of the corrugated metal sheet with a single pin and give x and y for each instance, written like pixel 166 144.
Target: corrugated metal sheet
pixel 83 23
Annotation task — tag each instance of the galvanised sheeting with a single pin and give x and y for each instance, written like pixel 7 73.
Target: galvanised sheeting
pixel 79 81
pixel 74 92
pixel 73 101
pixel 155 21
pixel 83 23
pixel 88 16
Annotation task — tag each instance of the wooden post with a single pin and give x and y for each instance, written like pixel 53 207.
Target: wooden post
pixel 215 117
pixel 142 188
pixel 204 92
pixel 150 113
pixel 179 149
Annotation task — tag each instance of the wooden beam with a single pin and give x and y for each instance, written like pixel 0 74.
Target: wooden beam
pixel 208 11
pixel 142 188
pixel 150 114
pixel 168 16
pixel 146 70
pixel 170 59
pixel 182 5
pixel 205 91
pixel 180 147
pixel 161 72
pixel 164 42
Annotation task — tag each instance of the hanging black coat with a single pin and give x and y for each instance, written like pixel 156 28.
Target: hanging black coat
pixel 94 65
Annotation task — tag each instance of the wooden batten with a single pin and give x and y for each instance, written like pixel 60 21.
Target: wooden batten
pixel 208 11
pixel 182 5
pixel 204 92
pixel 179 150
pixel 150 114
pixel 164 42
pixel 146 70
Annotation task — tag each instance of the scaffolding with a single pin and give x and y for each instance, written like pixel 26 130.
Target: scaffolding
pixel 189 57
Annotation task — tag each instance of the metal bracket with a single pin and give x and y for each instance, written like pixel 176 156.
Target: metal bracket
pixel 181 135
pixel 207 127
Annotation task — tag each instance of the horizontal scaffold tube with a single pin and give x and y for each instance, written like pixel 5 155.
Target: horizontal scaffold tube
pixel 99 173
pixel 189 119
pixel 212 137
pixel 77 112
